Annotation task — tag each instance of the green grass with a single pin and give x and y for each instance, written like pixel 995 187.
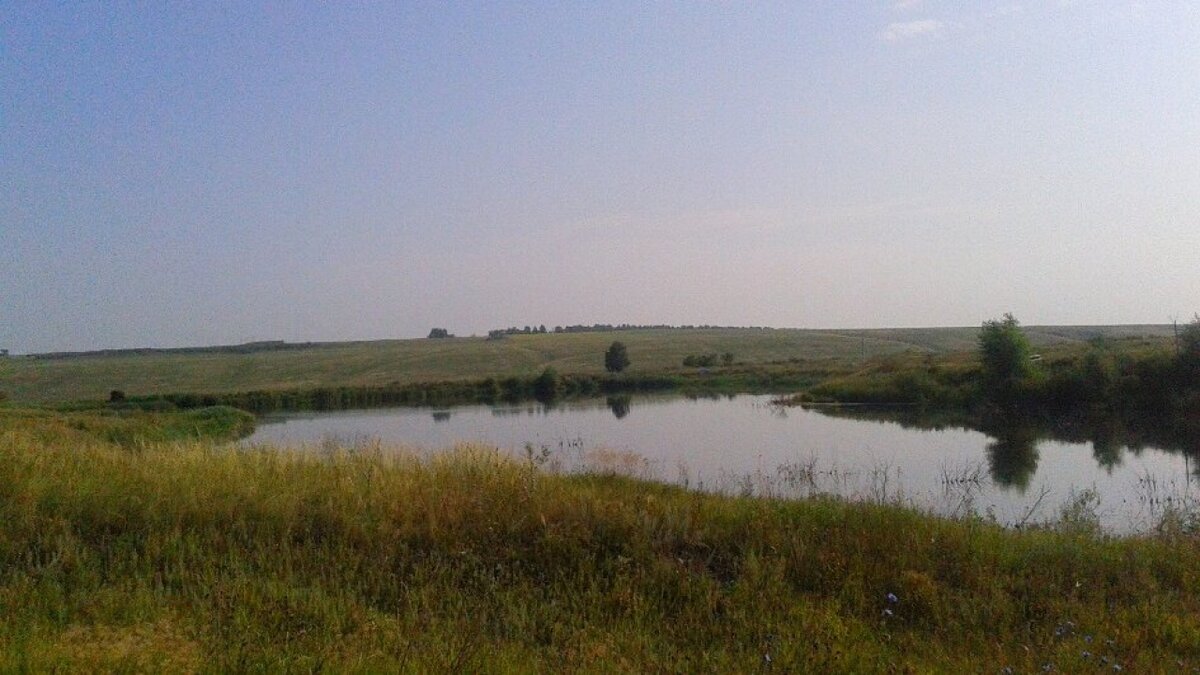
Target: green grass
pixel 191 555
pixel 382 362
pixel 131 427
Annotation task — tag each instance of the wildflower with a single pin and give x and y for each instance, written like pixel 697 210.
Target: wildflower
pixel 887 612
pixel 1086 654
pixel 891 597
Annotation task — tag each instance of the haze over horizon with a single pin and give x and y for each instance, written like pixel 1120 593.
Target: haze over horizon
pixel 225 173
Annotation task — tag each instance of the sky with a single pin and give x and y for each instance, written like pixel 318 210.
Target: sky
pixel 212 173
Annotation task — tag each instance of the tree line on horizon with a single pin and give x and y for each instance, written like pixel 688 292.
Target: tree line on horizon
pixel 608 328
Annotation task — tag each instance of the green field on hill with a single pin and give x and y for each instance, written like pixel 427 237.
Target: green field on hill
pixel 93 376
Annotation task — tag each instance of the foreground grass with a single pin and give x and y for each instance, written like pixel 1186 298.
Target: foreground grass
pixel 407 361
pixel 196 556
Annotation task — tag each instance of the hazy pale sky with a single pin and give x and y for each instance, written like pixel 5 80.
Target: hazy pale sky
pixel 224 172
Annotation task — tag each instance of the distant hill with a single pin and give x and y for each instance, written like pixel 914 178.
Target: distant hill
pixel 279 364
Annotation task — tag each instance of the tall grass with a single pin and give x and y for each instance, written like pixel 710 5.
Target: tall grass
pixel 194 555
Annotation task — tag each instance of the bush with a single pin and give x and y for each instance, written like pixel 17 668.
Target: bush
pixel 1004 351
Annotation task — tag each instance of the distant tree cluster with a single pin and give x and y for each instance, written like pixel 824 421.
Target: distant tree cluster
pixel 608 328
pixel 708 360
pixel 439 333
pixel 513 330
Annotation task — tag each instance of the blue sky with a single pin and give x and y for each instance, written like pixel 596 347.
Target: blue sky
pixel 223 172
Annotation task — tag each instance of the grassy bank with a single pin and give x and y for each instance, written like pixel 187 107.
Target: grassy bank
pixel 125 426
pixel 381 363
pixel 192 556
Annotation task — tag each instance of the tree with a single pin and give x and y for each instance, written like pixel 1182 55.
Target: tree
pixel 1005 353
pixel 440 333
pixel 616 358
pixel 545 386
pixel 1189 347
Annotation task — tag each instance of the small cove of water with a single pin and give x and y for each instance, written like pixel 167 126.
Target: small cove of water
pixel 745 445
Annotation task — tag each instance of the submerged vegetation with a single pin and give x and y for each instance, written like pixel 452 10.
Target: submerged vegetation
pixel 191 555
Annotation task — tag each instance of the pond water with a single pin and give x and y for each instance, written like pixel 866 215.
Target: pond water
pixel 746 445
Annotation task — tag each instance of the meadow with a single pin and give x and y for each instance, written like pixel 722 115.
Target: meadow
pixel 137 554
pixel 379 363
pixel 140 540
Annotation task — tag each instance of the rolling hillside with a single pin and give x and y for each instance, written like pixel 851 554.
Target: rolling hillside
pixel 92 376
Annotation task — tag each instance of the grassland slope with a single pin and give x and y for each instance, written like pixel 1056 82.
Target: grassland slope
pixel 381 362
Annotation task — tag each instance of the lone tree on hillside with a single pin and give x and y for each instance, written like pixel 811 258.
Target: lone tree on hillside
pixel 440 333
pixel 1005 353
pixel 616 358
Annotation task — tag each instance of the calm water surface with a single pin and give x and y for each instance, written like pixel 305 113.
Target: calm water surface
pixel 745 445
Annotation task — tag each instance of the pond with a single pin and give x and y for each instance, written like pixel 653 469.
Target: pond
pixel 744 444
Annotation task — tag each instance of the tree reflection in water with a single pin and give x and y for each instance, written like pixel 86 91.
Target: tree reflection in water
pixel 1013 456
pixel 619 405
pixel 1107 447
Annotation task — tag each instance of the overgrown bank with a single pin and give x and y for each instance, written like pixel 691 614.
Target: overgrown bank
pixel 188 556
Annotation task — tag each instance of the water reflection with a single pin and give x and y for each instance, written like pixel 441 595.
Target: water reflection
pixel 1107 448
pixel 1013 449
pixel 746 445
pixel 1013 457
pixel 619 405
